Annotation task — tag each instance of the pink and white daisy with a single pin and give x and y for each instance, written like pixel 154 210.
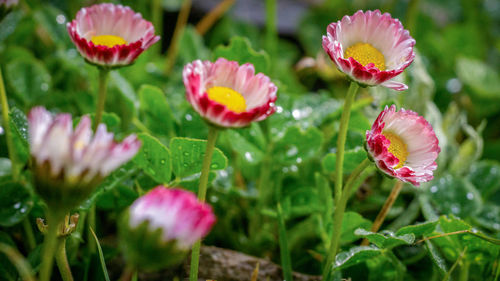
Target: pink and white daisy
pixel 177 213
pixel 371 48
pixel 70 163
pixel 227 94
pixel 111 35
pixel 403 145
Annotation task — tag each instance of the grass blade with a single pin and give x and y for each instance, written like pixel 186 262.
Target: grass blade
pixel 101 256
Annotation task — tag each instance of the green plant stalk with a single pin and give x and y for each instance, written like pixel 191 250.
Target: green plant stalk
pixel 50 244
pixel 62 260
pixel 8 132
pixel 338 216
pixel 202 192
pixel 271 31
pixel 101 96
pixel 341 137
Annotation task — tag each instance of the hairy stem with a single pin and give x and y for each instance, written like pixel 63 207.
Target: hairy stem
pixel 101 96
pixel 49 245
pixel 338 217
pixel 62 260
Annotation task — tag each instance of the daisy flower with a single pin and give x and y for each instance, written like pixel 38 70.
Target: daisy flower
pixel 227 94
pixel 403 145
pixel 371 48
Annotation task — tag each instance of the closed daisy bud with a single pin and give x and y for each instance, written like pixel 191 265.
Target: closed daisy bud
pixel 160 227
pixel 403 145
pixel 111 35
pixel 69 163
pixel 227 94
pixel 370 48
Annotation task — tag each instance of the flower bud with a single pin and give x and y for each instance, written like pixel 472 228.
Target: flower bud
pixel 68 164
pixel 160 227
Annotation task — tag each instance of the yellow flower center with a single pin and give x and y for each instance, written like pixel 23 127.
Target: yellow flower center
pixel 398 148
pixel 365 53
pixel 108 40
pixel 233 100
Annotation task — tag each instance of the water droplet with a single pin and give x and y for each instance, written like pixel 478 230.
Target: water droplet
pixel 434 189
pixel 61 19
pixel 186 153
pixel 150 67
pixel 22 210
pixel 189 117
pixel 279 109
pixel 1 130
pixel 17 205
pixel 455 209
pixel 470 196
pixel 248 156
pixel 454 85
pixel 292 151
pixel 162 161
pixel 296 114
pixel 214 199
pixel 294 168
pixel 214 166
pixel 185 164
pixel 299 160
pixel 44 87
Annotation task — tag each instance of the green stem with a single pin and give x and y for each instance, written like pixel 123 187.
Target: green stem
pixel 271 31
pixel 49 245
pixel 91 225
pixel 101 98
pixel 6 125
pixel 30 236
pixel 341 137
pixel 202 192
pixel 338 217
pixel 62 260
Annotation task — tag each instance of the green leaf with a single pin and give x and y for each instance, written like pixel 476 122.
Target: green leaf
pixel 350 223
pixel 302 201
pixel 436 257
pixel 156 111
pixel 15 203
pixel 29 79
pixel 298 145
pixel 101 256
pixel 240 50
pixel 245 147
pixel 46 17
pixel 454 195
pixel 386 239
pixel 154 158
pixel 418 230
pixel 356 255
pixel 9 23
pixel 485 176
pixel 352 158
pixel 187 156
pixel 19 129
pixel 482 79
pixel 191 46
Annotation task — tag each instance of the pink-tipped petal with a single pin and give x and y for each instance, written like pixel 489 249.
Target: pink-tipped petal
pixel 422 145
pixel 257 90
pixel 178 213
pixel 116 20
pixel 382 32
